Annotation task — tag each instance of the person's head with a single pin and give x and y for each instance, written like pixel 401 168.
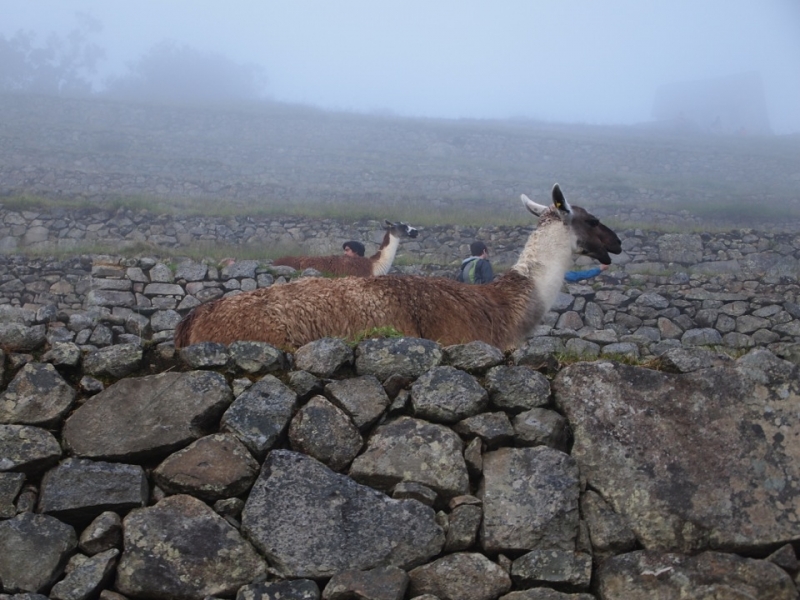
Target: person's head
pixel 353 248
pixel 478 248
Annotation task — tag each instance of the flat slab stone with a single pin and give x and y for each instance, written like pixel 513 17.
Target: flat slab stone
pixel 28 449
pixel 530 500
pixel 33 549
pixel 147 417
pixel 408 449
pixel 355 527
pixel 644 575
pixel 37 395
pixel 713 455
pixel 180 548
pixel 78 490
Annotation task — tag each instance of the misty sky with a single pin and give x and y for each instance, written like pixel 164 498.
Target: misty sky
pixel 585 61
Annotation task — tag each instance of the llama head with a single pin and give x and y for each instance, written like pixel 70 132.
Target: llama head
pixel 400 230
pixel 590 236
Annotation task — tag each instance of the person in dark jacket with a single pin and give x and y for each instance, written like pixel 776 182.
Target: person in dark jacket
pixel 573 276
pixel 476 268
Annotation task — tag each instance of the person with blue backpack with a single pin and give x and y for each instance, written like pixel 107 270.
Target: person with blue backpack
pixel 476 268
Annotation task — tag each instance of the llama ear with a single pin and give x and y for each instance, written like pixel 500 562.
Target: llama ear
pixel 559 201
pixel 537 209
pixel 389 224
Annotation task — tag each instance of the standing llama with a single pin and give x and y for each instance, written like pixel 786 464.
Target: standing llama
pixel 359 266
pixel 500 313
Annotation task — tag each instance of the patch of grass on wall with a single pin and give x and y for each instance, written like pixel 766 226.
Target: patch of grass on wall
pixel 375 332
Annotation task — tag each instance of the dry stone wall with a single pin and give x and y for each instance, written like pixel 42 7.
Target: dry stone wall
pixel 338 472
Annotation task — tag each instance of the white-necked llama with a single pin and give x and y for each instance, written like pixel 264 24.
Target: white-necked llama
pixel 499 313
pixel 357 266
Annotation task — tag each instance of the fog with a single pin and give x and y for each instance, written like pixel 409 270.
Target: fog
pixel 570 61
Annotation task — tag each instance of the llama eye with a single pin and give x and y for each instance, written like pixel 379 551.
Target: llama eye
pixel 594 222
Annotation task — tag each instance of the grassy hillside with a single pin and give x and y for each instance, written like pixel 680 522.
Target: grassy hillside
pixel 279 159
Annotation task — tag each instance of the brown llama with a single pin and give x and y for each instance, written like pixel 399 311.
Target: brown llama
pixel 500 313
pixel 358 266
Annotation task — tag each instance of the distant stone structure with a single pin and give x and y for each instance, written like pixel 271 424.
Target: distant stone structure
pixel 732 105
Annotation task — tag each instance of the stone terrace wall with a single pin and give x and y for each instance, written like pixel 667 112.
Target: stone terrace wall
pixel 65 230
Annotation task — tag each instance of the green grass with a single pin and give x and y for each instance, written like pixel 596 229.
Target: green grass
pixel 375 332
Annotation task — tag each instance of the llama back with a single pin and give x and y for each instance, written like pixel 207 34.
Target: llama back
pixel 288 316
pixel 338 265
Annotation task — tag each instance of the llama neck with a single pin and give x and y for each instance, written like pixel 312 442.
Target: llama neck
pixel 382 260
pixel 547 256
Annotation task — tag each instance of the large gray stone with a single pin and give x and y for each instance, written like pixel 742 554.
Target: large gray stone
pixel 530 500
pixel 494 428
pixel 10 485
pixel 708 469
pixel 78 490
pixel 683 248
pixel 517 388
pixel 462 576
pixel 17 337
pixel 685 360
pixel 110 298
pixel 147 417
pixel 205 355
pixel 323 431
pixel 553 567
pixel 182 549
pixel 260 414
pixel 447 395
pixel 704 336
pixel 295 589
pixel 538 351
pixel 191 271
pixel 113 361
pixel 103 533
pixel 409 449
pixel 406 357
pixel 163 289
pixel 644 575
pixel 381 583
pixel 541 427
pixel 27 449
pixel 323 357
pixel 609 532
pixel 33 550
pixel 37 395
pixel 356 527
pixel 257 357
pixel 86 580
pixel 476 356
pixel 363 398
pixel 214 467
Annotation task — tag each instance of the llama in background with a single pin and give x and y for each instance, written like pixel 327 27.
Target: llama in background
pixel 358 266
